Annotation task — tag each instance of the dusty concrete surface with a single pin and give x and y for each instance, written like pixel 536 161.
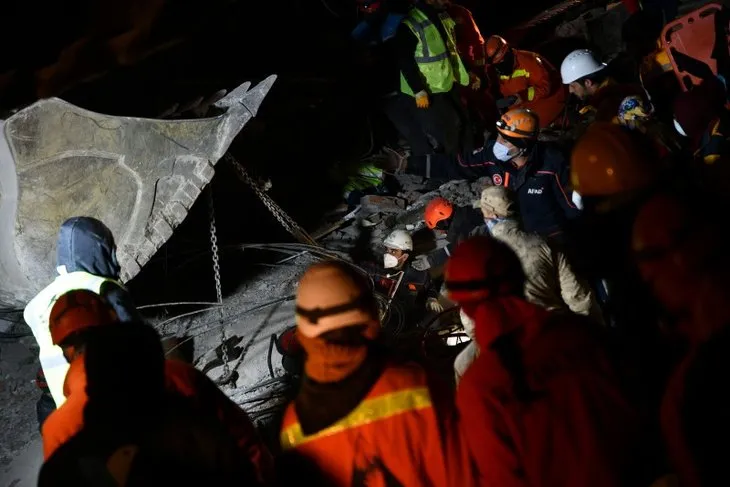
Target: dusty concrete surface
pixel 20 451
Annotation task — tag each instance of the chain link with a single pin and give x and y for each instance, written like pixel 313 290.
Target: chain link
pixel 218 288
pixel 285 220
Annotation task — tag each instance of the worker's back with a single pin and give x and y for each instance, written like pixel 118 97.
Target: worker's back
pixel 130 407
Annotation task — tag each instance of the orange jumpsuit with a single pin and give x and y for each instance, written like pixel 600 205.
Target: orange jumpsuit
pixel 578 430
pixel 538 84
pixel 393 437
pixel 180 378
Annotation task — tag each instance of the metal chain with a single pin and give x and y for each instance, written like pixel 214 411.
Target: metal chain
pixel 218 289
pixel 285 220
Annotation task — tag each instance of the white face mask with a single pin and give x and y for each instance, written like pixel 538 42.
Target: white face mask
pixel 679 128
pixel 502 152
pixel 390 261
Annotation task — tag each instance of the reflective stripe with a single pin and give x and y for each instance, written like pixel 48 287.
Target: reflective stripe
pixel 530 93
pixel 518 73
pixel 436 54
pixel 420 30
pixel 369 411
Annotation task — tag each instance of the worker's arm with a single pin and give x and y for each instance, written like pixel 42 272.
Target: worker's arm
pixel 539 80
pixel 405 45
pixel 468 165
pixel 576 294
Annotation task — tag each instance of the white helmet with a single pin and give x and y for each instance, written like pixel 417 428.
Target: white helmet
pixel 400 240
pixel 579 64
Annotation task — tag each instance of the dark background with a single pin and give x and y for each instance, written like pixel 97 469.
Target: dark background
pixel 318 114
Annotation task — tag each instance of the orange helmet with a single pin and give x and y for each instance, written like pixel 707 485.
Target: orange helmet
pixel 481 268
pixel 77 310
pixel 520 123
pixel 333 295
pixel 496 49
pixel 608 160
pixel 438 209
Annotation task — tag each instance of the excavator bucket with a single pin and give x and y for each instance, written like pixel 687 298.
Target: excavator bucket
pixel 697 44
pixel 139 176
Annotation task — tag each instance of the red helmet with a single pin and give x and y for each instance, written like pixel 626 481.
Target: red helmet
pixel 482 268
pixel 77 310
pixel 437 210
pixel 368 6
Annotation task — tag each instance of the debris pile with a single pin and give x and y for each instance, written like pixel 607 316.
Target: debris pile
pixel 380 215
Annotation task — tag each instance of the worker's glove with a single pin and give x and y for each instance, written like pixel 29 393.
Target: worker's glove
pixel 474 82
pixel 421 263
pixel 434 305
pixel 422 99
pixel 507 102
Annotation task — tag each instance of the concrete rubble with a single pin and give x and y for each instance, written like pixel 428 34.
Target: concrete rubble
pixel 380 219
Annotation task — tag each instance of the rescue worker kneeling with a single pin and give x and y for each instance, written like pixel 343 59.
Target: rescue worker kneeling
pixel 526 80
pixel 80 316
pixel 542 404
pixel 415 289
pixel 359 418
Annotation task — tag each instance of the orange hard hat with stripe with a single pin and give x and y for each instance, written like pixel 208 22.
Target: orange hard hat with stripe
pixel 496 49
pixel 520 123
pixel 608 160
pixel 76 311
pixel 437 210
pixel 482 268
pixel 332 295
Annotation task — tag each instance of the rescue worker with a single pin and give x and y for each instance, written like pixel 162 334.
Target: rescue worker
pixel 589 80
pixel 549 279
pixel 701 118
pixel 615 171
pixel 360 418
pixel 85 259
pixel 526 80
pixel 376 34
pixel 682 258
pixel 469 40
pixel 636 114
pixel 430 68
pixel 457 222
pixel 537 172
pixel 80 315
pixel 542 404
pixel 480 104
pixel 414 289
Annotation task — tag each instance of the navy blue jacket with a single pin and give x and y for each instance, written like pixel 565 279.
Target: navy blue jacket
pixel 542 186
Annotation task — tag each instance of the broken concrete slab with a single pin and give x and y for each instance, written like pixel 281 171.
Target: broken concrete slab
pixel 384 204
